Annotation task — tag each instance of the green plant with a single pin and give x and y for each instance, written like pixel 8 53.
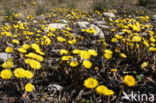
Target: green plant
pixel 144 2
pixel 41 9
pixel 9 11
pixel 100 5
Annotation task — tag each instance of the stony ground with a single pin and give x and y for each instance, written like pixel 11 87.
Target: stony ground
pixel 69 54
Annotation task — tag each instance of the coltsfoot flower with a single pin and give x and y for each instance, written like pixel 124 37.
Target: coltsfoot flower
pixel 6 74
pixel 74 63
pixel 9 49
pixel 129 80
pixel 29 87
pixel 90 83
pixel 87 64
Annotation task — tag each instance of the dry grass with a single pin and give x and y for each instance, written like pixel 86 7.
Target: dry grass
pixel 39 7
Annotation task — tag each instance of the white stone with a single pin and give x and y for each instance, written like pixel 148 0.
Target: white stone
pixel 5 56
pixel 98 31
pixel 100 22
pixel 55 87
pixel 104 26
pixel 82 24
pixel 154 17
pixel 56 26
pixel 64 21
pixel 108 14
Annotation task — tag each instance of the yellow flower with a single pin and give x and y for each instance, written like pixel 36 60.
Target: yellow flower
pixel 26 46
pixel 8 64
pixel 108 51
pixel 146 43
pixel 129 80
pixel 107 55
pixel 100 89
pixel 114 40
pixel 74 63
pixel 48 41
pixel 61 39
pixel 15 41
pixel 22 50
pixel 66 58
pixel 136 38
pixel 9 50
pixel 51 29
pixel 36 47
pixel 152 49
pixel 19 73
pixel 34 64
pixel 6 74
pixel 90 30
pixel 152 44
pixel 152 39
pixel 27 61
pixel 76 51
pixel 63 51
pixel 29 87
pixel 28 74
pixel 92 52
pixel 90 83
pixel 123 55
pixel 118 36
pixel 72 41
pixel 85 54
pixel 50 34
pixel 35 56
pixel 87 64
pixel 108 92
pixel 114 70
pixel 144 65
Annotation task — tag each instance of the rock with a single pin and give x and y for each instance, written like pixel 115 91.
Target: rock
pixel 64 21
pixel 82 24
pixel 56 26
pixel 4 56
pixel 154 17
pixel 98 31
pixel 99 22
pixel 108 14
pixel 104 26
pixel 54 88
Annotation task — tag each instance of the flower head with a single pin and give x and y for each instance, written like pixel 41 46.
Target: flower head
pixel 61 39
pixel 29 87
pixel 92 52
pixel 144 65
pixel 6 74
pixel 9 50
pixel 65 58
pixel 8 64
pixel 85 54
pixel 22 50
pixel 19 73
pixel 63 51
pixel 136 39
pixel 129 80
pixel 87 64
pixel 90 83
pixel 100 89
pixel 74 63
pixel 28 74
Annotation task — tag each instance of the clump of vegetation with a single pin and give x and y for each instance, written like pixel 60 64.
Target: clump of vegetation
pixel 145 2
pixel 41 9
pixel 100 5
pixel 83 67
